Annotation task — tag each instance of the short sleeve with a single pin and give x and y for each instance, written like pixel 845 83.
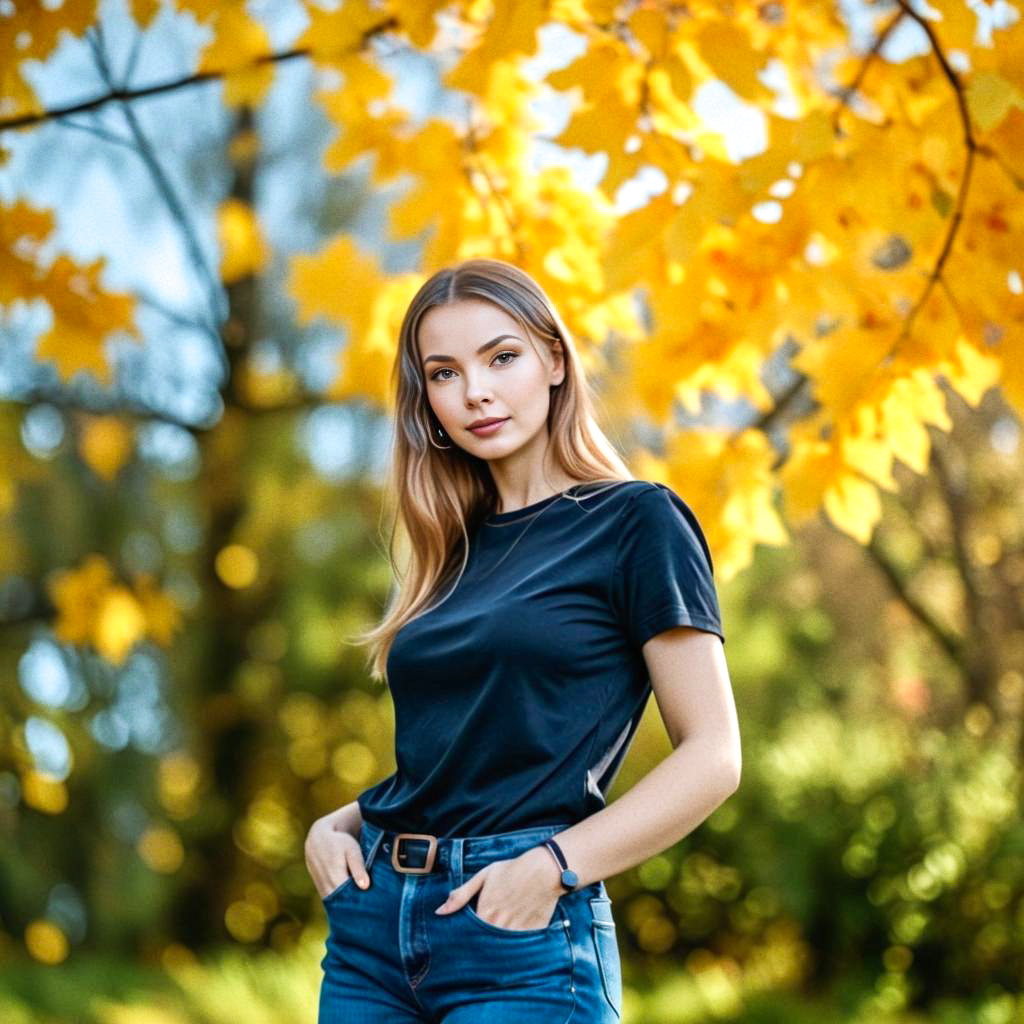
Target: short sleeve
pixel 663 575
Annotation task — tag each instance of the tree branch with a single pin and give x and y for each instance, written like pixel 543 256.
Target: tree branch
pixel 847 91
pixel 119 404
pixel 965 180
pixel 947 640
pixel 126 95
pixel 166 191
pixel 476 162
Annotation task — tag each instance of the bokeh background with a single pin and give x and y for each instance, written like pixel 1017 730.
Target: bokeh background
pixel 787 239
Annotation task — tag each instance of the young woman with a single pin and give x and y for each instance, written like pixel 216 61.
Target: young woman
pixel 547 593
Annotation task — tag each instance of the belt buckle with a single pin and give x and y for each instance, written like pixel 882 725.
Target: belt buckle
pixel 431 852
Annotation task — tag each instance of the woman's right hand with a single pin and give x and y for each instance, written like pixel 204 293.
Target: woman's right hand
pixel 332 856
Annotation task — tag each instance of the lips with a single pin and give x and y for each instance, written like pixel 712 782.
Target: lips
pixel 488 428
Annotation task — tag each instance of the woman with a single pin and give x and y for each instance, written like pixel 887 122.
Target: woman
pixel 547 593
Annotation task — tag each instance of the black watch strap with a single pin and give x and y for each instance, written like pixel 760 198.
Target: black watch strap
pixel 569 878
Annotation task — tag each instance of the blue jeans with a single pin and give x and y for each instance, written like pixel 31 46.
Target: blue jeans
pixel 391 959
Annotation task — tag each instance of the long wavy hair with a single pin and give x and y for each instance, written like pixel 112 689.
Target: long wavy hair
pixel 441 493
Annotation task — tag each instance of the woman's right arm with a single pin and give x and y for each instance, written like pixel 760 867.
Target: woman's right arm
pixel 344 819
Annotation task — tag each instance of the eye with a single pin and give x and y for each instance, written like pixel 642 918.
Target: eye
pixel 504 352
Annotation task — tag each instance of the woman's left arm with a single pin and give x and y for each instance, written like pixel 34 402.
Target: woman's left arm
pixel 691 684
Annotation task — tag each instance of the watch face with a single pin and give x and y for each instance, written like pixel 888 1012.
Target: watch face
pixel 569 879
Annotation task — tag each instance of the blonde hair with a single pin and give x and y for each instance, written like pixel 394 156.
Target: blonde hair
pixel 440 491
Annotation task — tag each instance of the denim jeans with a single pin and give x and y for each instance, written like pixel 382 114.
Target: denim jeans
pixel 391 959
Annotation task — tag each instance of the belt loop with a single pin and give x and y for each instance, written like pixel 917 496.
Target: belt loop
pixel 375 844
pixel 456 862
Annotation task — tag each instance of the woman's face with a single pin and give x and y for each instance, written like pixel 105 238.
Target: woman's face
pixel 478 364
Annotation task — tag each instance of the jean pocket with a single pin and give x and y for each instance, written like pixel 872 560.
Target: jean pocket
pixel 553 925
pixel 369 852
pixel 334 893
pixel 606 948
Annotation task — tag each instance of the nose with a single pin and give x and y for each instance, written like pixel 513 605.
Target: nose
pixel 476 393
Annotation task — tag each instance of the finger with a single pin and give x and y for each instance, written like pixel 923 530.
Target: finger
pixel 357 869
pixel 325 869
pixel 454 901
pixel 461 894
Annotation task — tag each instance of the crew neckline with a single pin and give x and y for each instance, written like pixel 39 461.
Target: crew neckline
pixel 519 513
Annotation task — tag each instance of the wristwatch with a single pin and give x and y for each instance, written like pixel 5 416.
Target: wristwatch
pixel 569 878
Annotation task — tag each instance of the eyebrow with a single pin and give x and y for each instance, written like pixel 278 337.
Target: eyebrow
pixel 480 351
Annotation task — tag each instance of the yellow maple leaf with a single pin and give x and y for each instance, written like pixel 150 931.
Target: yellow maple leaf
pixel 84 315
pixel 677 74
pixel 843 364
pixel 338 282
pixel 144 11
pixel 367 361
pixel 93 608
pixel 237 43
pixel 17 97
pixel 726 49
pixel 78 594
pixel 511 30
pixel 24 229
pixel 729 483
pixel 817 474
pixel 33 30
pixel 971 371
pixel 807 473
pixel 853 504
pixel 331 34
pixel 1006 54
pixel 649 25
pixel 958 25
pixel 418 19
pixel 345 285
pixel 355 107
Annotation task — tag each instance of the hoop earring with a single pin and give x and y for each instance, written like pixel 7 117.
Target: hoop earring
pixel 440 433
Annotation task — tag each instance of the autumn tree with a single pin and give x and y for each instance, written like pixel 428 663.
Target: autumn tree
pixel 777 333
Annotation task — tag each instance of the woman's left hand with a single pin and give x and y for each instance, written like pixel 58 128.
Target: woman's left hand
pixel 519 893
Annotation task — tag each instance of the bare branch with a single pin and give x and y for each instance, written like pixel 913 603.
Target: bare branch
pixel 125 95
pixel 165 189
pixel 948 641
pixel 100 133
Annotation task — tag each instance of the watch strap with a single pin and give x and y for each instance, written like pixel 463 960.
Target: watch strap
pixel 568 878
pixel 556 850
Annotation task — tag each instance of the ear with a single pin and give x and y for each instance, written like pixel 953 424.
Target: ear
pixel 557 364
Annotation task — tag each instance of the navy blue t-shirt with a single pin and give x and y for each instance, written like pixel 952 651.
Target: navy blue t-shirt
pixel 517 694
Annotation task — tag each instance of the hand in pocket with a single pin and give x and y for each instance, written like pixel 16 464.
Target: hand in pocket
pixel 332 856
